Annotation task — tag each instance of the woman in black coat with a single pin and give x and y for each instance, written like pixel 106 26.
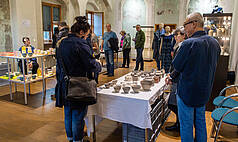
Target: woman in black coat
pixel 79 62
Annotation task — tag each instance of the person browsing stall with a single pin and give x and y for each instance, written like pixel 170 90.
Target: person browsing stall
pixel 195 63
pixel 109 53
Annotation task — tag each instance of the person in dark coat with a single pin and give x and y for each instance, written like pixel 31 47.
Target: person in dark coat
pixel 63 32
pixel 179 35
pixel 55 37
pixel 79 62
pixel 156 44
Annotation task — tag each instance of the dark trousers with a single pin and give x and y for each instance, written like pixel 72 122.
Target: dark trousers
pixel 35 66
pixel 139 59
pixel 109 55
pixel 126 57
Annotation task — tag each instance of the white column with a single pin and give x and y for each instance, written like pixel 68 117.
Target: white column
pixel 234 42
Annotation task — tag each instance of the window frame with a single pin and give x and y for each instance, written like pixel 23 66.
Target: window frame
pixel 92 19
pixel 52 6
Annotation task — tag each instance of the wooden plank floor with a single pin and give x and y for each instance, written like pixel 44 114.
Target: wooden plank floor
pixel 23 123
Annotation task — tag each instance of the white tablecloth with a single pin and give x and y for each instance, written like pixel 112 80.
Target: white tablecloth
pixel 128 108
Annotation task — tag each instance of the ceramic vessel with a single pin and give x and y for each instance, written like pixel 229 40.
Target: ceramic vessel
pixel 107 85
pixel 126 89
pixel 135 78
pixel 117 88
pixel 146 84
pixel 136 88
pixel 156 79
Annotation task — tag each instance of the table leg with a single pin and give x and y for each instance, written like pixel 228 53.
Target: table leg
pixel 24 79
pixel 29 88
pixel 9 78
pixel 15 87
pixel 43 79
pixel 91 125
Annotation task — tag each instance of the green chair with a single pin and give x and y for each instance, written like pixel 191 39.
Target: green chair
pixel 225 115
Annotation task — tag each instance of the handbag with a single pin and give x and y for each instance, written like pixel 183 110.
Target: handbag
pixel 79 89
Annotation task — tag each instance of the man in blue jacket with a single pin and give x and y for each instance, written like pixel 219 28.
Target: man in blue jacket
pixel 195 64
pixel 109 54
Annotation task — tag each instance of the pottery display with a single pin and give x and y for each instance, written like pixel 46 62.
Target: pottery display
pixel 117 88
pixel 136 88
pixel 126 89
pixel 107 85
pixel 16 73
pixel 114 82
pixel 135 78
pixel 34 76
pixel 146 84
pixel 156 79
pixel 128 78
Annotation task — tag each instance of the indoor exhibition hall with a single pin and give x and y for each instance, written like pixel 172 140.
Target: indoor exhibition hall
pixel 118 71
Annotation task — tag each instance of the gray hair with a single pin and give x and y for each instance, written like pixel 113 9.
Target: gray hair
pixel 197 17
pixel 179 30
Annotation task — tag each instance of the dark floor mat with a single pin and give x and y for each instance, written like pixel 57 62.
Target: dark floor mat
pixel 34 100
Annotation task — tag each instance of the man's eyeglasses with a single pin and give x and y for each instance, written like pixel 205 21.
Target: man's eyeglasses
pixel 189 23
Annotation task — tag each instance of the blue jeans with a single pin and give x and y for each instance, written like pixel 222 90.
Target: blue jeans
pixel 189 116
pixel 109 55
pixel 139 59
pixel 74 122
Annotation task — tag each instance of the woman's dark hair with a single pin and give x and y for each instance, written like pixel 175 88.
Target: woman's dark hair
pixel 24 39
pixel 56 30
pixel 81 24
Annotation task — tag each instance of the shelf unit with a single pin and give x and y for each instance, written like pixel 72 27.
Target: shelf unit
pixel 11 56
pixel 219 25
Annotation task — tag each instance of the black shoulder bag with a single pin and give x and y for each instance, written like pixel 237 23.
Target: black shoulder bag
pixel 79 89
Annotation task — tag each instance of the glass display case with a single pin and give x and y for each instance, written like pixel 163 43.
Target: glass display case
pixel 219 26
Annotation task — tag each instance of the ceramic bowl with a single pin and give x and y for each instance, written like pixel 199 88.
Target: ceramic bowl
pixel 29 54
pixel 23 54
pixel 126 89
pixel 34 76
pixel 136 88
pixel 17 73
pixel 117 88
pixel 146 84
pixel 156 79
pixel 107 85
pixel 114 82
pixel 135 78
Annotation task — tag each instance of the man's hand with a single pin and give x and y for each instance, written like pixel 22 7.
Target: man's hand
pixel 30 65
pixel 168 80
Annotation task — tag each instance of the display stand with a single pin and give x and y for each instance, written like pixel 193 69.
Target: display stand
pixel 26 79
pixel 149 107
pixel 219 26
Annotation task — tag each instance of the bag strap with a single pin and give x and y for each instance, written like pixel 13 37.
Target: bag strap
pixel 61 59
pixel 160 47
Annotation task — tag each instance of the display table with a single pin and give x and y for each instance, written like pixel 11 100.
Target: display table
pixel 131 108
pixel 10 55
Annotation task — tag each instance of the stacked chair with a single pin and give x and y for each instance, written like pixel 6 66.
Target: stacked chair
pixel 225 111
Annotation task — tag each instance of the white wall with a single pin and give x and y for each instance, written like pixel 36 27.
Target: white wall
pixel 24 15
